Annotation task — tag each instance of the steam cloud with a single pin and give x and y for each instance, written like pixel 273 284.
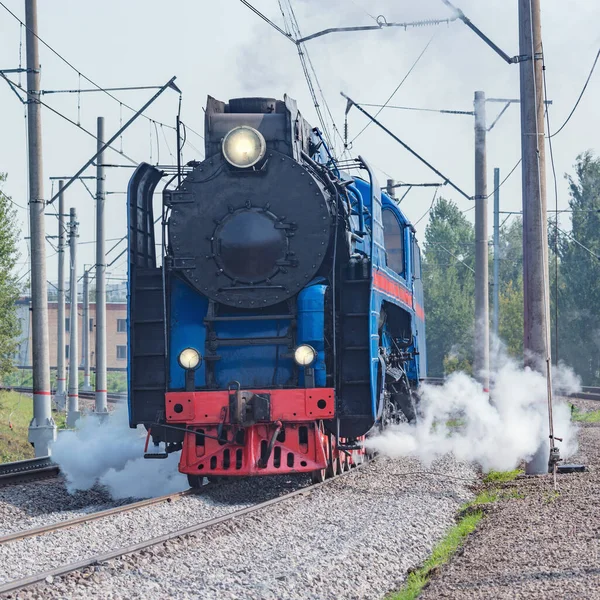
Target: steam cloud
pixel 110 453
pixel 496 433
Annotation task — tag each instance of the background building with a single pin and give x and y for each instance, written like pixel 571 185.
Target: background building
pixel 116 333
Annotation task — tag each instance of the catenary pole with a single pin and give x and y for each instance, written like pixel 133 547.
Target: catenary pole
pixel 73 402
pixel 42 429
pixel 101 385
pixel 496 313
pixel 60 396
pixel 535 240
pixel 85 331
pixel 482 320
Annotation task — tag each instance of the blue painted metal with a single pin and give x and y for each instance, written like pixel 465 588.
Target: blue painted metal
pixel 264 365
pixel 311 327
pixel 186 330
pixel 259 365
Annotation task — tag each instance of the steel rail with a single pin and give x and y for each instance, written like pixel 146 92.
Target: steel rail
pixel 112 397
pixel 18 584
pixel 52 527
pixel 27 470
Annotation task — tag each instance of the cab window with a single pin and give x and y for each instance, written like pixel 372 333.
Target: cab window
pixel 393 237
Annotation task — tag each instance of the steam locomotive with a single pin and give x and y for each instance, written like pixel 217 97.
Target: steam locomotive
pixel 282 321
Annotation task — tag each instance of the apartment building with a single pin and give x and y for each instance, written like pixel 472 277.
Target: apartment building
pixel 116 333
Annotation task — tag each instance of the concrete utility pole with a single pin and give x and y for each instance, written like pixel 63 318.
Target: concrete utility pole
pixel 73 405
pixel 482 318
pixel 536 290
pixel 390 189
pixel 101 386
pixel 496 313
pixel 60 396
pixel 85 331
pixel 42 429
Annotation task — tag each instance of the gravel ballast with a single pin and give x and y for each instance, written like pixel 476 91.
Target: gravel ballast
pixel 21 558
pixel 539 544
pixel 355 537
pixel 38 503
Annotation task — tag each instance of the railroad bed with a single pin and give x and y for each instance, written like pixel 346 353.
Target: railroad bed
pixel 535 543
pixel 352 537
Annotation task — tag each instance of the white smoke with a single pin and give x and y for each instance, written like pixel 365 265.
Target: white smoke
pixel 496 432
pixel 110 453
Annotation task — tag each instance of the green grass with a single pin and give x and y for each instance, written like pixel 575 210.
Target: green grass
pixel 470 514
pixel 15 414
pixel 585 417
pixel 454 539
pixel 502 476
pixel 484 497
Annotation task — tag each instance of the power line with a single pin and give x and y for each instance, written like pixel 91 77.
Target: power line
pixel 306 63
pixel 79 73
pixel 578 99
pixel 69 120
pixel 416 108
pixel 397 88
pixel 556 213
pixel 506 178
pixel 267 20
pixel 429 209
pixel 591 252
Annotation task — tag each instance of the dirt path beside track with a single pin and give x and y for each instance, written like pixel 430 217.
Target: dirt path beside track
pixel 536 543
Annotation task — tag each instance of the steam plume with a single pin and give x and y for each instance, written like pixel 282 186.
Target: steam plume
pixel 110 453
pixel 496 432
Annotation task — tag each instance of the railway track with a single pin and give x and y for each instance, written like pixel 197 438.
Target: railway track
pixel 27 470
pixel 586 393
pixel 49 575
pixel 114 398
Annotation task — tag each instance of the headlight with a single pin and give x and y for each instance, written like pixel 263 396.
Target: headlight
pixel 190 358
pixel 305 355
pixel 244 146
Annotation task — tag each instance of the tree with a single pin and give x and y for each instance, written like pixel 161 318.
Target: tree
pixel 449 287
pixel 579 274
pixel 510 321
pixel 9 289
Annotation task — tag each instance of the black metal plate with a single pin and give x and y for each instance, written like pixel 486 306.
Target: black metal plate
pixel 257 237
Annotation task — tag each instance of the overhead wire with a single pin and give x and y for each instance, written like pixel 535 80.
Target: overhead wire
pixel 307 66
pixel 69 64
pixel 437 189
pixel 556 213
pixel 267 20
pixel 415 63
pixel 578 99
pixel 69 120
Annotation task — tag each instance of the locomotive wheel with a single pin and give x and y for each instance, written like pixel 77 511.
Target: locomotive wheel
pixel 195 481
pixel 346 464
pixel 318 476
pixel 321 475
pixel 404 400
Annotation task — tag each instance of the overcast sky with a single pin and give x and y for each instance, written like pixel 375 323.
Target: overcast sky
pixel 222 49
